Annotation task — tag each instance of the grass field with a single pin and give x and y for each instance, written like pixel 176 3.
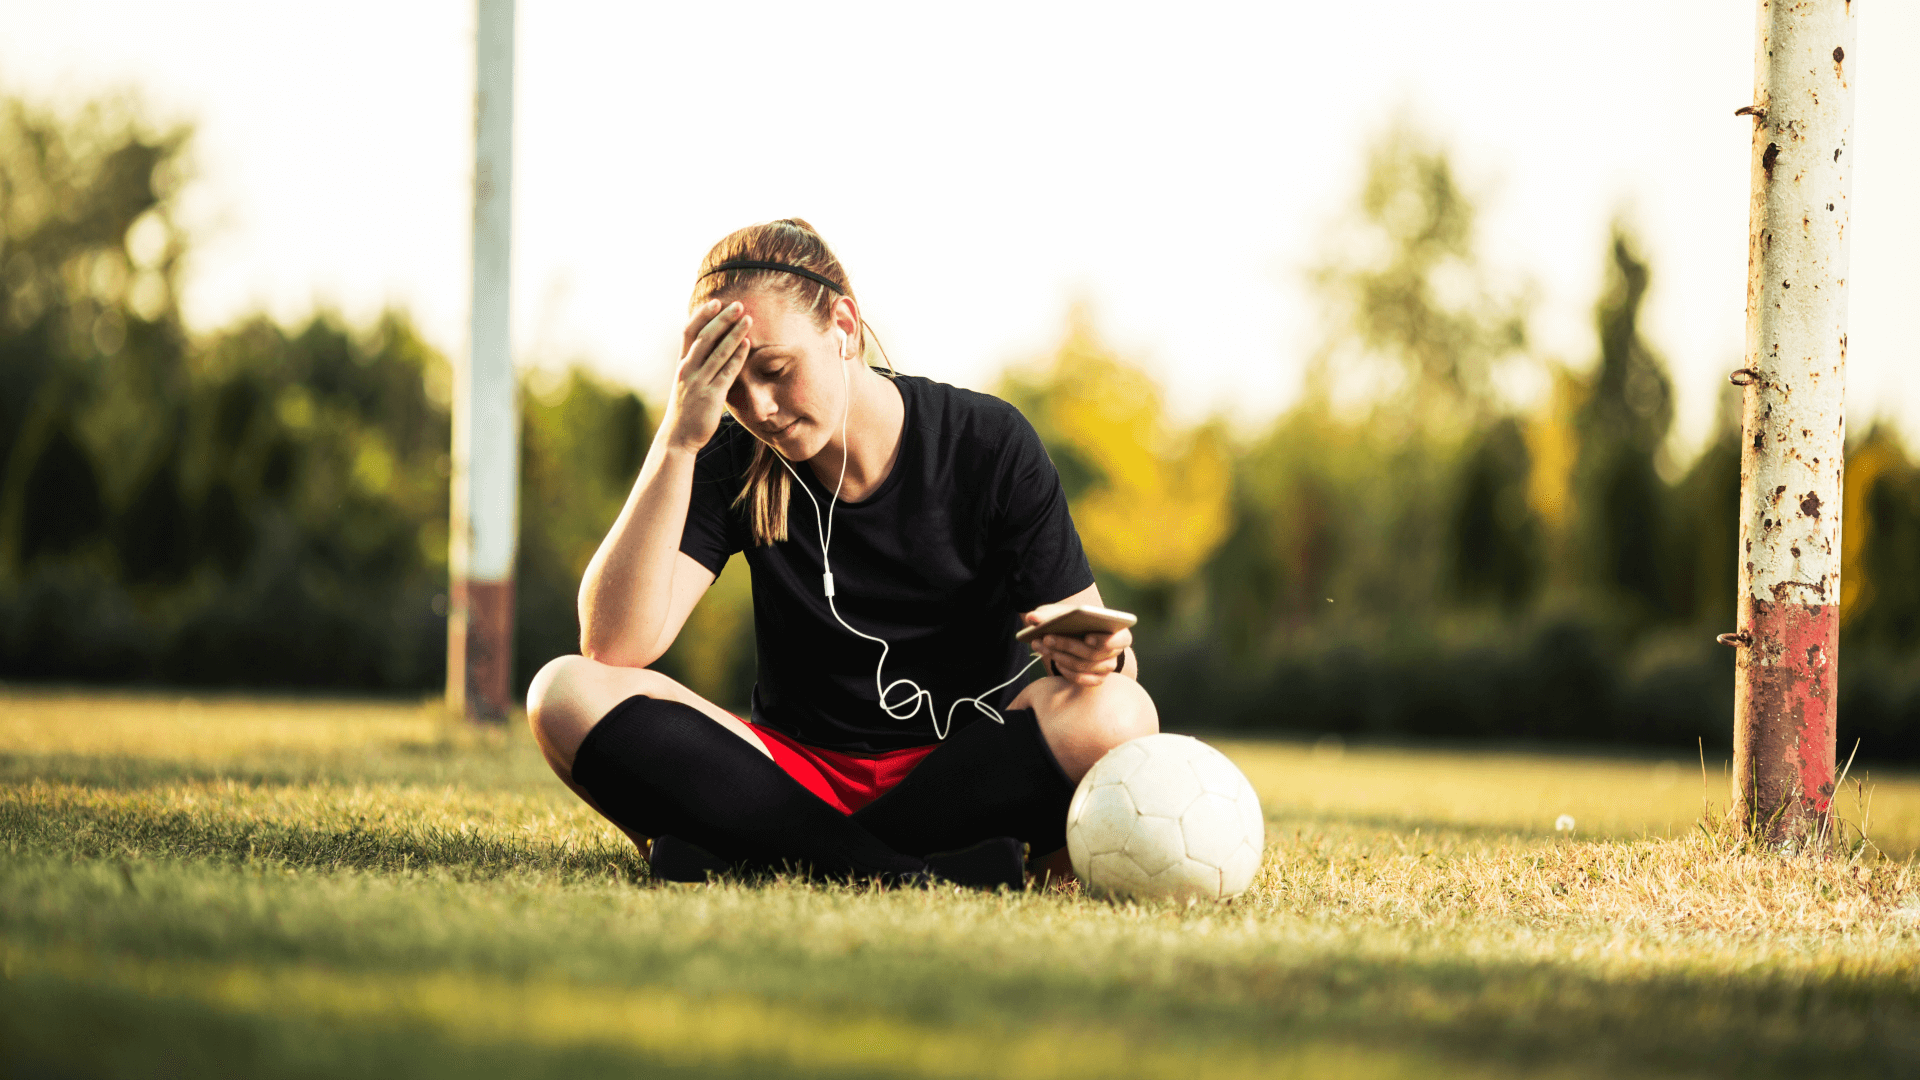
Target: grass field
pixel 284 888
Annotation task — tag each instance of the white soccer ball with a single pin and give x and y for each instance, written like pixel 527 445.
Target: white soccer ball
pixel 1165 817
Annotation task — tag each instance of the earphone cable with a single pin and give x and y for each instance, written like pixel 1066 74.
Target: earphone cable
pixel 823 527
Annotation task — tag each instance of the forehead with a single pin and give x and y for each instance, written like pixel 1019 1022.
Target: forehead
pixel 775 319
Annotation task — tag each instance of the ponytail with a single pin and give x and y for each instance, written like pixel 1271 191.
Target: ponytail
pixel 766 494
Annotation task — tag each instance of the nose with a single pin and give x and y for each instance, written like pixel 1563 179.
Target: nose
pixel 760 404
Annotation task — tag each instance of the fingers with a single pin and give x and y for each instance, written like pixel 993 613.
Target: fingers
pixel 730 368
pixel 700 347
pixel 723 350
pixel 1083 674
pixel 701 315
pixel 1077 669
pixel 1103 666
pixel 1089 648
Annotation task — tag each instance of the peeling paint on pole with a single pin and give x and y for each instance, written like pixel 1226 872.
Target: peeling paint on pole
pixel 486 435
pixel 1793 422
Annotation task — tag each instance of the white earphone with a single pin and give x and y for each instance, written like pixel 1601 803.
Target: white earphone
pixel 916 696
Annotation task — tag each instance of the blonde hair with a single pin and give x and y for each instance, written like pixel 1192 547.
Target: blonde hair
pixel 795 243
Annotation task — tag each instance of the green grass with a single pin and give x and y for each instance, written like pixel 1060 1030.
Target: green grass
pixel 284 888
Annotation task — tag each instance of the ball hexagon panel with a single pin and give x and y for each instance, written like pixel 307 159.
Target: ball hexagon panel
pixel 1253 822
pixel 1106 817
pixel 1119 763
pixel 1164 788
pixel 1114 874
pixel 1217 774
pixel 1212 829
pixel 1239 870
pixel 1184 880
pixel 1155 843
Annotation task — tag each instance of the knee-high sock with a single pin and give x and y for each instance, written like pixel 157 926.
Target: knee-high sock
pixel 663 768
pixel 986 780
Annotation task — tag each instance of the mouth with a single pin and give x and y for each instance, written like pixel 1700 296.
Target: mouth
pixel 775 433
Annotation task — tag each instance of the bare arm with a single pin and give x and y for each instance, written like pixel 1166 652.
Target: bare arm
pixel 640 587
pixel 1088 658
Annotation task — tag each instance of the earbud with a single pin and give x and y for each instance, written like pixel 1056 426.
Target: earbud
pixel 842 334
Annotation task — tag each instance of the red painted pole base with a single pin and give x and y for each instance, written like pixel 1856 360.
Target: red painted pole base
pixel 480 649
pixel 1783 736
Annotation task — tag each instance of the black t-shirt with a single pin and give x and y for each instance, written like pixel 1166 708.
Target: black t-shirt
pixel 968 531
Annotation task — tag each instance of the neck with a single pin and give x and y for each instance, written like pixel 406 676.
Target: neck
pixel 871 440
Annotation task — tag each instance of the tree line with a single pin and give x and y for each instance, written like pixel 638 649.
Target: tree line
pixel 1403 552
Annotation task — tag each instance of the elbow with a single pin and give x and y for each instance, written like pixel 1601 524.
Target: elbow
pixel 614 653
pixel 606 645
pixel 611 634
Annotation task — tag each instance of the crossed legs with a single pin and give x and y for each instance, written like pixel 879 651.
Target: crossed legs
pixel 572 694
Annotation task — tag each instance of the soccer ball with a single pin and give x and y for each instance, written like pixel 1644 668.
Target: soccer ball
pixel 1165 817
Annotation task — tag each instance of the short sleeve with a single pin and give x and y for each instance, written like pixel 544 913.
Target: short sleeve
pixel 1036 533
pixel 715 527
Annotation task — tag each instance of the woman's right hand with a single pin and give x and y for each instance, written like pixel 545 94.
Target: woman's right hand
pixel 715 346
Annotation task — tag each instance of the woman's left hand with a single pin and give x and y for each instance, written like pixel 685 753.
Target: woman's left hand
pixel 1084 659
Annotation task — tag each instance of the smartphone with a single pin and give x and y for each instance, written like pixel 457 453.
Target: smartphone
pixel 1085 619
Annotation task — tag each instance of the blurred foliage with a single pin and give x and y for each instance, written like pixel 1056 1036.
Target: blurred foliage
pixel 1407 554
pixel 1413 318
pixel 263 506
pixel 1122 464
pixel 1402 553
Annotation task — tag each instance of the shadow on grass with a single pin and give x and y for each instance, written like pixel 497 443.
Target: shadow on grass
pixel 59 1031
pixel 84 832
pixel 1449 1018
pixel 1855 1017
pixel 418 763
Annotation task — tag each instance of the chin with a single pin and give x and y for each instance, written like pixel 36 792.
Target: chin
pixel 808 447
pixel 798 443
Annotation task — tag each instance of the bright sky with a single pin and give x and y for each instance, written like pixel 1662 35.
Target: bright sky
pixel 980 166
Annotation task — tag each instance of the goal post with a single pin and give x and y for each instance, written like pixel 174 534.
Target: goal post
pixel 486 428
pixel 1793 423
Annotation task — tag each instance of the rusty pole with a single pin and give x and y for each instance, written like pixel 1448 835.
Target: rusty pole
pixel 486 430
pixel 1793 427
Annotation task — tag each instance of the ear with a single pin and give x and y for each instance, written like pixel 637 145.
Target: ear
pixel 846 320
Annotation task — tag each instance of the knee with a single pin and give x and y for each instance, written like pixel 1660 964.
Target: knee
pixel 550 702
pixel 1126 711
pixel 552 685
pixel 1119 708
pixel 570 694
pixel 1082 723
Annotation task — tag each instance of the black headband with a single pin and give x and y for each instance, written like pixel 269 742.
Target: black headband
pixel 756 264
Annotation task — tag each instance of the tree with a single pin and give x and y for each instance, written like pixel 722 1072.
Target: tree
pixel 1409 308
pixel 92 352
pixel 1411 317
pixel 1622 426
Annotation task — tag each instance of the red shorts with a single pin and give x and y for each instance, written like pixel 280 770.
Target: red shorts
pixel 845 782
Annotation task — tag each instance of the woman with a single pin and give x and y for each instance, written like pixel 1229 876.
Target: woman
pixel 929 526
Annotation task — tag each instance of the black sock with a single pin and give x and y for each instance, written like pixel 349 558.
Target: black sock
pixel 986 780
pixel 663 768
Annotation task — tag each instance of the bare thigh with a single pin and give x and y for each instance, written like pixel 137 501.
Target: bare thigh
pixel 573 693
